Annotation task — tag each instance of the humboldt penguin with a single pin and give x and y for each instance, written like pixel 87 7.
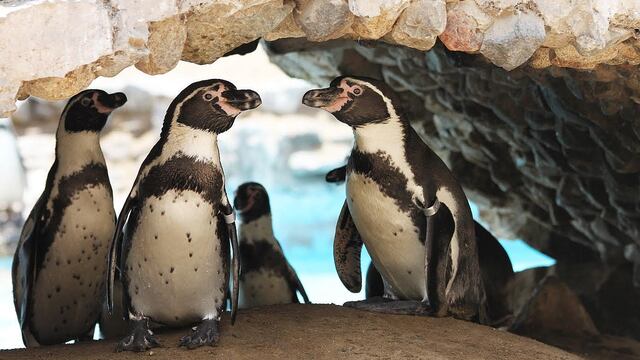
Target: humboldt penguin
pixel 495 267
pixel 267 278
pixel 59 266
pixel 405 206
pixel 171 245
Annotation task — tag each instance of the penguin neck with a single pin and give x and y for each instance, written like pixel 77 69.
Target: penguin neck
pixel 74 150
pixel 259 229
pixel 388 136
pixel 192 142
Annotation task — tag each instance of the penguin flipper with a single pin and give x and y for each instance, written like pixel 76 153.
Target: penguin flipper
pixel 230 220
pixel 292 279
pixel 347 247
pixel 23 269
pixel 115 250
pixel 296 284
pixel 337 175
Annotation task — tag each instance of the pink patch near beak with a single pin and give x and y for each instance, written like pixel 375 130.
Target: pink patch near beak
pixel 230 110
pixel 337 104
pixel 341 100
pixel 101 108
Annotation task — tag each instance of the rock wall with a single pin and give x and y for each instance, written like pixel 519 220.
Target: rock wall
pixel 54 48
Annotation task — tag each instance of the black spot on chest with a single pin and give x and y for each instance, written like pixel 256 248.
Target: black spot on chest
pixel 181 173
pixel 261 256
pixel 89 176
pixel 380 169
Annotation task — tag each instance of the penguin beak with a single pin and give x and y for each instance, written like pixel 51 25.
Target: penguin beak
pixel 106 103
pixel 242 99
pixel 321 98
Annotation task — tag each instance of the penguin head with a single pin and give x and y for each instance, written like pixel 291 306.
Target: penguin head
pixel 355 101
pixel 212 105
pixel 89 110
pixel 251 201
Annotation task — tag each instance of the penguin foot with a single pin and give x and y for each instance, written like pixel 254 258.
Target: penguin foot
pixel 207 333
pixel 140 338
pixel 396 307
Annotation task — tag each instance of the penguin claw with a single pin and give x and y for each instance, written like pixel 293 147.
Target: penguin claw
pixel 206 333
pixel 140 339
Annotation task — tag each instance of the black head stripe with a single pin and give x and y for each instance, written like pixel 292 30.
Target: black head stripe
pixel 252 201
pixel 82 116
pixel 198 113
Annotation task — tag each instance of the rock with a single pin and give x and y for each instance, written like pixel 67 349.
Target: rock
pixel 323 20
pixel 165 43
pixel 221 27
pixel 375 18
pixel 326 332
pixel 463 32
pixel 151 34
pixel 553 308
pixel 419 24
pixel 511 40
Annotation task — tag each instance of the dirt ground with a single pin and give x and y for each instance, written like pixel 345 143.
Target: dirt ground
pixel 325 332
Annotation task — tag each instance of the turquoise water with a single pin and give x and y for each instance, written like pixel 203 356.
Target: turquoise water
pixel 304 218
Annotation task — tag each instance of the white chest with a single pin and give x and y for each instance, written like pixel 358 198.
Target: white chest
pixel 389 236
pixel 176 264
pixel 69 287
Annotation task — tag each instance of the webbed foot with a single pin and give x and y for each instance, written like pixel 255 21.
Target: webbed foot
pixel 140 339
pixel 207 333
pixel 396 307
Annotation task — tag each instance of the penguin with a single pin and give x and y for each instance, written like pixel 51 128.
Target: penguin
pixel 267 278
pixel 405 206
pixel 495 266
pixel 59 265
pixel 171 246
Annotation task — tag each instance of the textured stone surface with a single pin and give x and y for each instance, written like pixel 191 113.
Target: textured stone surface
pixel 324 332
pixel 41 42
pixel 553 308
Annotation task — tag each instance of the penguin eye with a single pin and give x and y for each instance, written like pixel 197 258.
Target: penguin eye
pixel 357 91
pixel 85 101
pixel 208 96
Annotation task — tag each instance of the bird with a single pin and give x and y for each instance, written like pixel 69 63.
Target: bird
pixel 267 278
pixel 171 246
pixel 59 265
pixel 405 206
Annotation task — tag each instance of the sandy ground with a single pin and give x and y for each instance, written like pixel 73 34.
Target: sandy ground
pixel 326 332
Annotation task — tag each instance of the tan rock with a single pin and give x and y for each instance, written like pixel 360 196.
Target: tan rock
pixel 462 31
pixel 375 18
pixel 56 88
pixel 323 20
pixel 166 41
pixel 288 28
pixel 419 24
pixel 219 28
pixel 513 39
